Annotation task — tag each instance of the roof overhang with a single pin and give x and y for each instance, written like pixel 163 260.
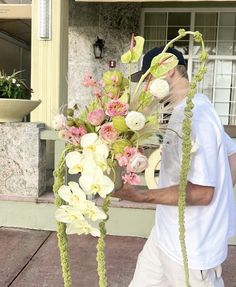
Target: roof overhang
pixel 15 11
pixel 160 1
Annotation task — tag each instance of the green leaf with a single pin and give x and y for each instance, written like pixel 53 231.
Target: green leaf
pixel 162 64
pixel 145 98
pixel 133 55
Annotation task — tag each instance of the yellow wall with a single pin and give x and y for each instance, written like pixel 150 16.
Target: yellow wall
pixel 49 63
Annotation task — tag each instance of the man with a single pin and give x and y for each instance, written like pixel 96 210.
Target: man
pixel 210 214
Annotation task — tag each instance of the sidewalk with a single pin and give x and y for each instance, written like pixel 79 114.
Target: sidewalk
pixel 30 258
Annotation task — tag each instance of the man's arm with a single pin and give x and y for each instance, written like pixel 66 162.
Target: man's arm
pixel 232 164
pixel 195 195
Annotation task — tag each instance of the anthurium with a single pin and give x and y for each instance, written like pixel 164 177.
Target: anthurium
pixel 135 52
pixel 163 63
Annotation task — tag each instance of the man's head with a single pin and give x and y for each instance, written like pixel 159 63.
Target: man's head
pixel 147 59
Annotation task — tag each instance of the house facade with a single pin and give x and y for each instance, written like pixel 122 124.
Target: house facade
pixel 60 59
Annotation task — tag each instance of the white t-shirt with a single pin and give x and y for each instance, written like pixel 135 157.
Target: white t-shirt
pixel 207 227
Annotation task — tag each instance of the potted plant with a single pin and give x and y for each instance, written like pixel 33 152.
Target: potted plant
pixel 15 98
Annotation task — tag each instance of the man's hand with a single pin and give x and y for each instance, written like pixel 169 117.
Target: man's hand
pixel 129 192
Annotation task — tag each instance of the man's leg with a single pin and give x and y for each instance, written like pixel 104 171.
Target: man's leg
pixel 149 271
pixel 197 278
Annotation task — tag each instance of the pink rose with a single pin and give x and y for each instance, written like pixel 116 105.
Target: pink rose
pixel 138 163
pixel 108 132
pixel 131 178
pixel 96 117
pixel 116 108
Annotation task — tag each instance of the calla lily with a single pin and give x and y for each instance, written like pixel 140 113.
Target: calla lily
pixel 82 227
pixel 72 194
pixel 96 182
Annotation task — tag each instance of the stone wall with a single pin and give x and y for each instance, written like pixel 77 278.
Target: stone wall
pixel 22 160
pixel 112 22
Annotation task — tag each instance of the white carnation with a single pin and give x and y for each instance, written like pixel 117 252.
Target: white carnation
pixel 159 88
pixel 59 122
pixel 135 121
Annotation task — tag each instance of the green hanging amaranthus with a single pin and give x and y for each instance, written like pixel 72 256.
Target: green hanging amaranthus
pixel 59 180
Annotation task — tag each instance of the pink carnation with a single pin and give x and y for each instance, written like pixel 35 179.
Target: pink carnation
pixel 89 81
pixel 117 108
pixel 108 132
pixel 74 134
pixel 130 151
pixel 131 178
pixel 122 160
pixel 96 117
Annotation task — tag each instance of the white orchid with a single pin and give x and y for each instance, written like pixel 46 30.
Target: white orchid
pixel 68 214
pixel 82 227
pixel 72 193
pixel 78 163
pixel 95 181
pixel 90 210
pixel 102 163
pixel 92 144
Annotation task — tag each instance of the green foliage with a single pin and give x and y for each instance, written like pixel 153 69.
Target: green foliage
pixel 13 87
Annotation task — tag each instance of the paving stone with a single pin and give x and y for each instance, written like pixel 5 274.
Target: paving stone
pixel 44 269
pixel 16 249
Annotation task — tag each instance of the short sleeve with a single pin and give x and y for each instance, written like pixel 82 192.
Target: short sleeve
pixel 229 144
pixel 203 169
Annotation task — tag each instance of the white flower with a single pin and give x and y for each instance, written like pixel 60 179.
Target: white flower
pixel 92 144
pixel 138 163
pixel 78 163
pixel 160 88
pixel 74 161
pixel 94 181
pixel 13 81
pixel 135 120
pixel 90 210
pixel 82 227
pixel 59 122
pixel 72 194
pixel 68 214
pixel 102 163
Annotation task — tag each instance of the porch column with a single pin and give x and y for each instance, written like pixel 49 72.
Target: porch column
pixel 49 62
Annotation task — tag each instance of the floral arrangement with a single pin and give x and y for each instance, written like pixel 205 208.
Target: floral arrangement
pixel 13 87
pixel 112 132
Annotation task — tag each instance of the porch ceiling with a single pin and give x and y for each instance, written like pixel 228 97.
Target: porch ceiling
pixel 17 29
pixel 154 1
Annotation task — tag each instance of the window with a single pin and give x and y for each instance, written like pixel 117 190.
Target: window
pixel 219 32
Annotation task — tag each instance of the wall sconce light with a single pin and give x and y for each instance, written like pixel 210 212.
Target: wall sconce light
pixel 98 48
pixel 44 19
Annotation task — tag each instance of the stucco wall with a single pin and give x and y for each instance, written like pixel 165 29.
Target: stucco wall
pixel 111 22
